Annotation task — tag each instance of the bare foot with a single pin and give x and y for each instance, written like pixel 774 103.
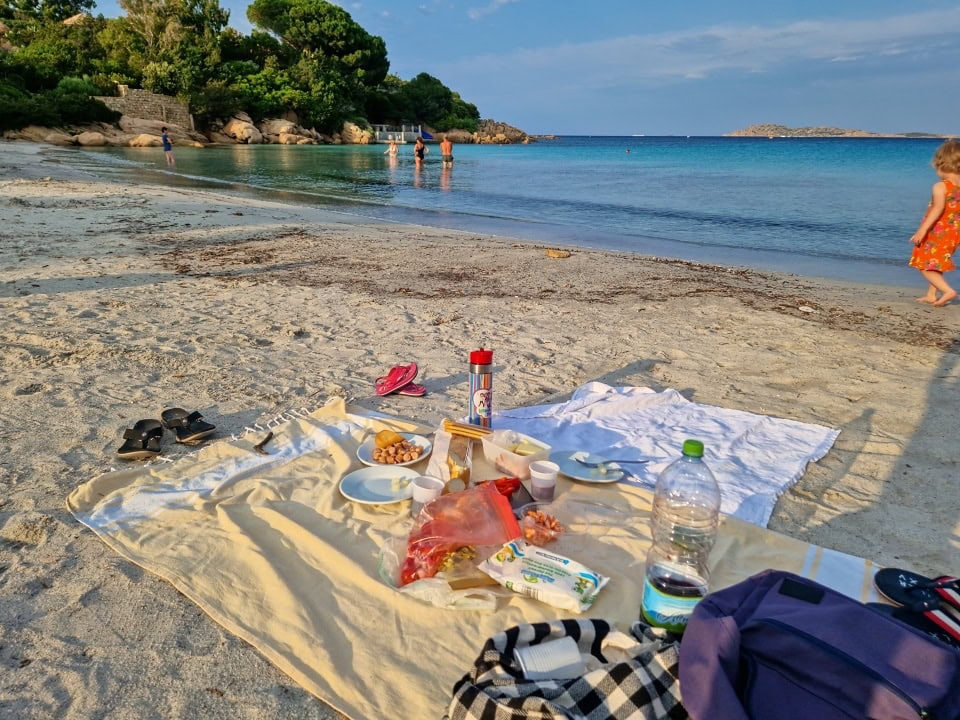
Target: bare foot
pixel 945 298
pixel 926 299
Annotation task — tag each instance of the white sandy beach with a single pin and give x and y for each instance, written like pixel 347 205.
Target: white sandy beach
pixel 119 301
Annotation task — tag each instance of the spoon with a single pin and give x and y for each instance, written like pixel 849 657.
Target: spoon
pixel 591 461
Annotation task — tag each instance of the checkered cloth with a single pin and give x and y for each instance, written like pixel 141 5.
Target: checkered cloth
pixel 646 686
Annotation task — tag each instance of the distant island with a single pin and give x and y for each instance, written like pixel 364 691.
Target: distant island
pixel 771 130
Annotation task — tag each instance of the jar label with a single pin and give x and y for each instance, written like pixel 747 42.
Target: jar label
pixel 664 610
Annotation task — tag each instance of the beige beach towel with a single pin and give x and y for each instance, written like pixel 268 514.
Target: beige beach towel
pixel 271 550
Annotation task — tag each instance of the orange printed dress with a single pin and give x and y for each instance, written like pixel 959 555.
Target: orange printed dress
pixel 937 249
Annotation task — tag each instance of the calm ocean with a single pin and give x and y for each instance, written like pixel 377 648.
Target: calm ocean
pixel 823 207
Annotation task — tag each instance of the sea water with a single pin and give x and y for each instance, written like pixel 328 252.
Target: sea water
pixel 826 207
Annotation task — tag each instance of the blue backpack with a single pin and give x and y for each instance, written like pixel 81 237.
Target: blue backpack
pixel 780 647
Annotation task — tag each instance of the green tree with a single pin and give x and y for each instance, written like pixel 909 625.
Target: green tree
pixel 387 103
pixel 155 23
pixel 462 116
pixel 216 99
pixel 177 42
pixel 47 10
pixel 55 50
pixel 122 57
pixel 328 93
pixel 255 47
pixel 309 56
pixel 426 99
pixel 69 102
pixel 326 34
pixel 74 104
pixel 269 91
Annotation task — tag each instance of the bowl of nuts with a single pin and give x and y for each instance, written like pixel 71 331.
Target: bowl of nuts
pixel 393 448
pixel 557 524
pixel 539 523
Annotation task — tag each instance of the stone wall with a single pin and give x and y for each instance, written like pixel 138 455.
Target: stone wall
pixel 150 106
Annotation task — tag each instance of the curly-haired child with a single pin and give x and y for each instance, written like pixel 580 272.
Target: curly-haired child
pixel 938 236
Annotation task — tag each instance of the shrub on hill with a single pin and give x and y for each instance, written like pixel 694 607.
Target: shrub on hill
pixel 70 103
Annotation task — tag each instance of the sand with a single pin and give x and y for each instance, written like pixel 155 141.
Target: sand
pixel 121 300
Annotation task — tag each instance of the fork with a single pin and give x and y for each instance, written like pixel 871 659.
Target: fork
pixel 600 463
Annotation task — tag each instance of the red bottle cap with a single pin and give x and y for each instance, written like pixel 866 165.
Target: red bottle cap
pixel 481 357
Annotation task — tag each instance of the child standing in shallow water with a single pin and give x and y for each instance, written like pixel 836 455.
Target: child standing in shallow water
pixel 938 236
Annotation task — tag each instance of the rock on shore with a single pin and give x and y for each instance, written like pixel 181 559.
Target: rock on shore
pixel 240 128
pixel 491 132
pixel 128 132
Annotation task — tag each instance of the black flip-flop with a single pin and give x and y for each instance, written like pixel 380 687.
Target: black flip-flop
pixel 916 621
pixel 142 441
pixel 935 599
pixel 189 427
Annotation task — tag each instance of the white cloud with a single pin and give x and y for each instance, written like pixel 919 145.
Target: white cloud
pixel 702 52
pixel 489 9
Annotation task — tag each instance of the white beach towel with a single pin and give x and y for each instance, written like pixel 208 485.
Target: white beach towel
pixel 754 457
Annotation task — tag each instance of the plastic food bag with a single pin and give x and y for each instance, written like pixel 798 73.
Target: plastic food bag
pixel 436 591
pixel 477 517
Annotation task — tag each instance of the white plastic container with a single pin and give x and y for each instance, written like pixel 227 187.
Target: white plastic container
pixel 511 452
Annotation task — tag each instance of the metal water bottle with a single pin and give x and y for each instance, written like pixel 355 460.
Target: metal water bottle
pixel 481 387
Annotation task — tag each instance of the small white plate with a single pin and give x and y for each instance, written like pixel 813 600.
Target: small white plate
pixel 575 471
pixel 378 485
pixel 365 451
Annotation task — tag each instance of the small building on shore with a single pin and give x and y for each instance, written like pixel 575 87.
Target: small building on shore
pixel 397 133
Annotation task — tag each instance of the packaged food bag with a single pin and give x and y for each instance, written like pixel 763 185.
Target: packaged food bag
pixel 477 517
pixel 546 576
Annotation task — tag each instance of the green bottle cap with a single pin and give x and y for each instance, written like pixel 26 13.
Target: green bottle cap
pixel 693 448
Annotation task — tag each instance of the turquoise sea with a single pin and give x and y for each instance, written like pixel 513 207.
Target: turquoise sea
pixel 826 207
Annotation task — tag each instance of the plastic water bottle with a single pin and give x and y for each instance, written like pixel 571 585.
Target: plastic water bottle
pixel 686 513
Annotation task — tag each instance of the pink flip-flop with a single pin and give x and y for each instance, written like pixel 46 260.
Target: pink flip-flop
pixel 413 390
pixel 398 376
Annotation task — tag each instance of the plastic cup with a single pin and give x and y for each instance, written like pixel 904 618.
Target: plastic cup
pixel 425 489
pixel 543 479
pixel 552 660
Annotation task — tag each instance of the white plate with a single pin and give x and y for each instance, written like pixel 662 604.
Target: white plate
pixel 575 471
pixel 365 451
pixel 378 485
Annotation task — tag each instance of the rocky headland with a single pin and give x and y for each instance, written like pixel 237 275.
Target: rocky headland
pixel 773 130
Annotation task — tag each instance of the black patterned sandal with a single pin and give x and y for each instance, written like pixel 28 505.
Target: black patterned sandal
pixel 142 441
pixel 935 599
pixel 189 428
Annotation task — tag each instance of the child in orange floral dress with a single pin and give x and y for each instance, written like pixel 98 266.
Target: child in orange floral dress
pixel 938 236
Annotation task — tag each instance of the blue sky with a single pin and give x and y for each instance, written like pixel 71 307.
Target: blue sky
pixel 688 67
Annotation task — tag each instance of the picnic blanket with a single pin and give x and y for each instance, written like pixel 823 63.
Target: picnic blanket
pixel 269 548
pixel 754 457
